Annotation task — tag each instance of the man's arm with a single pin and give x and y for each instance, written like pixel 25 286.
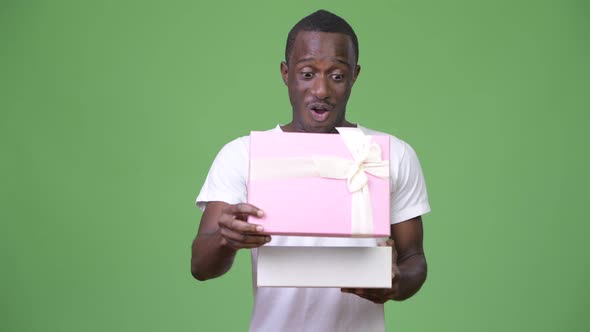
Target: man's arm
pixel 224 229
pixel 409 264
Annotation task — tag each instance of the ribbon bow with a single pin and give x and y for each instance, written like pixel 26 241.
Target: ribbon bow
pixel 366 159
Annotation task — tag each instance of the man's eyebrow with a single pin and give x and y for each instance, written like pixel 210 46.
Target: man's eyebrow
pixel 339 60
pixel 303 60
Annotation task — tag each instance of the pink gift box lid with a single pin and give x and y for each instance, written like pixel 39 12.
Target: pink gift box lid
pixel 313 206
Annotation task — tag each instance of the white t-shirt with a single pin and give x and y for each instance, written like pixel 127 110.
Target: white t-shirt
pixel 316 309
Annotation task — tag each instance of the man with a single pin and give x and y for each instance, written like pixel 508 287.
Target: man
pixel 320 68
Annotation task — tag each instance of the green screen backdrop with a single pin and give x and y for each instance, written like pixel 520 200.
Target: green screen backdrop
pixel 112 112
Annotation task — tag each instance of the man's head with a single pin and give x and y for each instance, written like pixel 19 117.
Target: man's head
pixel 321 21
pixel 320 69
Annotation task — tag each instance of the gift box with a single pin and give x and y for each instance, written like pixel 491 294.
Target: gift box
pixel 321 184
pixel 349 267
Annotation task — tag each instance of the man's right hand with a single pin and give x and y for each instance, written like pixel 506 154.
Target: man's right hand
pixel 235 230
pixel 224 229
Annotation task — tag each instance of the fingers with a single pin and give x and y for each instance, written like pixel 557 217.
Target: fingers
pixel 388 243
pixel 391 243
pixel 229 221
pixel 239 240
pixel 236 232
pixel 243 210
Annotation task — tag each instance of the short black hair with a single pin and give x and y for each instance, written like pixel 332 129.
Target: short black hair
pixel 321 21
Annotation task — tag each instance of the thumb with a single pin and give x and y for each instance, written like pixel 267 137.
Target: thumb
pixel 388 243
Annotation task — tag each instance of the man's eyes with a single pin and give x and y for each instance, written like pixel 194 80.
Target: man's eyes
pixel 309 75
pixel 337 77
pixel 306 74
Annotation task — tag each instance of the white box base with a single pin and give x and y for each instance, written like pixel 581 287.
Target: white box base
pixel 355 267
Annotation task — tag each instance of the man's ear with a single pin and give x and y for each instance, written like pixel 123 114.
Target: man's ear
pixel 357 71
pixel 285 72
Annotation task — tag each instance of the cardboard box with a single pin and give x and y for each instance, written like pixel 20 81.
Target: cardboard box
pixel 362 267
pixel 321 184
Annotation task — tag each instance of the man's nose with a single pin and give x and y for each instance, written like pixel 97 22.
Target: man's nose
pixel 321 87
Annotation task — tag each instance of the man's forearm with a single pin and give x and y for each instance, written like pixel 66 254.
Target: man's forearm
pixel 210 259
pixel 412 274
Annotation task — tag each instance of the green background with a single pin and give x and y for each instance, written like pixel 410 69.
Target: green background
pixel 112 112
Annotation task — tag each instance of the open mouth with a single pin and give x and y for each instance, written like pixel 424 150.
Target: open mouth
pixel 319 113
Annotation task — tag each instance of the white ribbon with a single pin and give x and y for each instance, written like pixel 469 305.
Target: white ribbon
pixel 366 159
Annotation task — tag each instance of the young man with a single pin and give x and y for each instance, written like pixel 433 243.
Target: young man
pixel 319 70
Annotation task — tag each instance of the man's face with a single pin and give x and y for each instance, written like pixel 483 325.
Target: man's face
pixel 322 69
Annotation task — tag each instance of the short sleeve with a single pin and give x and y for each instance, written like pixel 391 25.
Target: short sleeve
pixel 409 198
pixel 227 178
